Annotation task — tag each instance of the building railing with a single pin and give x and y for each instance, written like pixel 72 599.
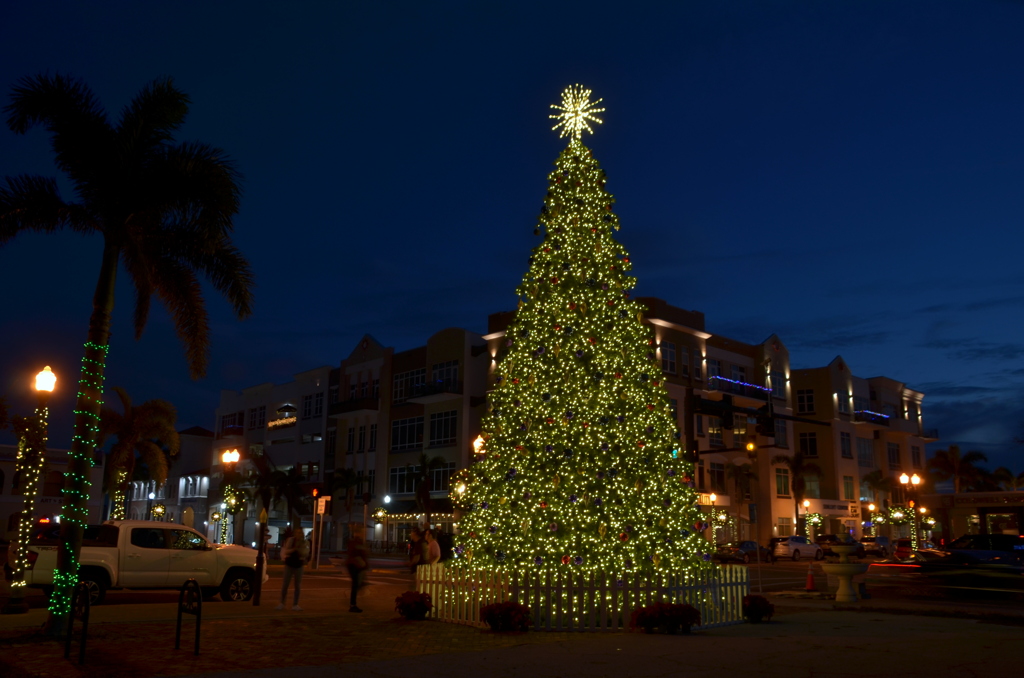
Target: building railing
pixel 355 404
pixel 930 433
pixel 231 431
pixel 870 417
pixel 740 388
pixel 434 388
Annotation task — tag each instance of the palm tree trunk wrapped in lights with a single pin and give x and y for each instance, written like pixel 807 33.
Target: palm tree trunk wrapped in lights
pixel 164 210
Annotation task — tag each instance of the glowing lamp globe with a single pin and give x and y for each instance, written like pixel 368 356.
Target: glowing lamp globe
pixel 46 380
pixel 713 497
pixel 230 456
pixel 915 479
pixel 478 445
pixel 871 507
pixel 904 479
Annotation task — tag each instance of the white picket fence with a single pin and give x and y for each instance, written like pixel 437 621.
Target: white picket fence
pixel 571 601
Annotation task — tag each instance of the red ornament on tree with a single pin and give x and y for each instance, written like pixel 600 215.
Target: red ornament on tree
pixel 623 536
pixel 554 280
pixel 572 305
pixel 649 405
pixel 543 504
pixel 640 443
pixel 566 560
pixel 558 327
pixel 618 375
pixel 515 381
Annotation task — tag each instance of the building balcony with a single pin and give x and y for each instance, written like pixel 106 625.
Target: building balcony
pixel 869 417
pixel 354 406
pixel 930 434
pixel 231 431
pixel 435 392
pixel 738 388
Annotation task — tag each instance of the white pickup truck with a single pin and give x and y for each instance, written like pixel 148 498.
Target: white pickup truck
pixel 142 554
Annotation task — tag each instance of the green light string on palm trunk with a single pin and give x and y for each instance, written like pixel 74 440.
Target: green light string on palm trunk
pixel 75 493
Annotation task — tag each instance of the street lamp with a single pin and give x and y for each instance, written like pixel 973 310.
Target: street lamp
pixel 714 537
pixel 911 491
pixel 871 518
pixel 31 434
pixel 807 505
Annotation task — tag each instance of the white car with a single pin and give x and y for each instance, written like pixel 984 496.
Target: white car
pixel 145 554
pixel 795 548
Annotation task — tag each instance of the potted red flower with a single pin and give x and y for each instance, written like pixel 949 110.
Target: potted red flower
pixel 413 605
pixel 665 617
pixel 757 609
pixel 507 616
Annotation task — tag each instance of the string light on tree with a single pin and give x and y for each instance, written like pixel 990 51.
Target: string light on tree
pixel 577 464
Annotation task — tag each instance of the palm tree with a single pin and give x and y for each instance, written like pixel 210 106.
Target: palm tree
pixel 141 433
pixel 285 485
pixel 799 469
pixel 343 482
pixel 961 468
pixel 742 476
pixel 164 210
pixel 425 483
pixel 1007 481
pixel 879 484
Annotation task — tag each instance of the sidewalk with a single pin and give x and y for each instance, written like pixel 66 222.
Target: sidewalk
pixel 807 638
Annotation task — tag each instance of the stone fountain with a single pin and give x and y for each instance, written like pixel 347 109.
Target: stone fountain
pixel 845 571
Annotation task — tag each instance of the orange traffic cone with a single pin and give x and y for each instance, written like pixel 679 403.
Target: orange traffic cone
pixel 810 577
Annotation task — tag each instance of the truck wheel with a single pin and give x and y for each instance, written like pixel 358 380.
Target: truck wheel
pixel 237 586
pixel 96 580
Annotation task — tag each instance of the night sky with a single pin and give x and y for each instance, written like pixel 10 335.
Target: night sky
pixel 849 175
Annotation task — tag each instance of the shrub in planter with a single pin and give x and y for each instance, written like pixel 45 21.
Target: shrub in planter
pixel 507 616
pixel 666 617
pixel 757 609
pixel 413 605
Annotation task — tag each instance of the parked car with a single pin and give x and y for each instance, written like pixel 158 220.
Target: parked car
pixel 879 546
pixel 827 541
pixel 904 547
pixel 143 554
pixel 795 548
pixel 1004 547
pixel 744 552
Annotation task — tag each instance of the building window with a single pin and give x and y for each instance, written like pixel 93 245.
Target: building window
pixel 715 431
pixel 307 406
pixel 351 440
pixel 696 368
pixel 332 440
pixel 805 401
pixel 376 388
pixel 318 404
pixel 782 482
pixel 785 527
pixel 781 434
pixel 845 445
pixel 406 434
pixel 778 385
pixel 714 368
pixel 843 400
pixel 915 456
pixel 440 480
pixel 362 439
pixel 865 453
pixel 809 444
pixel 373 437
pixel 684 361
pixel 406 382
pixel 257 417
pixel 893 450
pixel 668 357
pixel 363 388
pixel 739 373
pixel 446 373
pixel 848 488
pixel 231 424
pixel 716 473
pixel 334 394
pixel 443 428
pixel 700 424
pixel 403 479
pixel 812 487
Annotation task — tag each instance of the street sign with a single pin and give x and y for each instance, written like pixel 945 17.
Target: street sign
pixel 321 505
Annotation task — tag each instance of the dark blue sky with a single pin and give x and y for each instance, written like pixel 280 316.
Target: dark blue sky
pixel 849 175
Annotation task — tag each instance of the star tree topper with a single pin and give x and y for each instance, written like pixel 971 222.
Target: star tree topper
pixel 576 112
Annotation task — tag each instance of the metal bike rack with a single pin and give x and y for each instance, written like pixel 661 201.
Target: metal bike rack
pixel 80 606
pixel 190 601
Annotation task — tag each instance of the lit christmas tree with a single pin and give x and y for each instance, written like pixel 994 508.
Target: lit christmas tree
pixel 581 464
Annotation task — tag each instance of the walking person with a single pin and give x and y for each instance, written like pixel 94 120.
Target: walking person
pixel 295 554
pixel 358 562
pixel 433 548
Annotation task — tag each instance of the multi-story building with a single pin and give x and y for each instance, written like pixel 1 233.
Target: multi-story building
pixel 185 494
pixel 48 502
pixel 850 427
pixel 399 411
pixel 281 426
